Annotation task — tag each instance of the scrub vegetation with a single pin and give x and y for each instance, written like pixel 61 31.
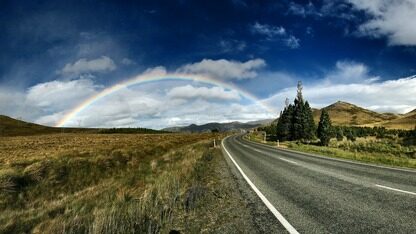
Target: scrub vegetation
pixel 116 183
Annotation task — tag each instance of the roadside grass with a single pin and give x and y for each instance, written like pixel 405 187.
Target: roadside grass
pixel 93 183
pixel 371 150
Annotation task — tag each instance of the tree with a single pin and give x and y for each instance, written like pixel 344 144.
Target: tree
pixel 339 134
pixel 296 120
pixel 324 128
pixel 284 124
pixel 350 135
pixel 297 128
pixel 309 124
pixel 303 126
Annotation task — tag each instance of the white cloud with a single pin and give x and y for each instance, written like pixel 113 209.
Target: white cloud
pixel 158 108
pixel 303 10
pixel 50 119
pixel 103 64
pixel 292 42
pixel 58 95
pixel 224 69
pixel 268 30
pixel 394 19
pixel 275 33
pixel 350 72
pixel 213 93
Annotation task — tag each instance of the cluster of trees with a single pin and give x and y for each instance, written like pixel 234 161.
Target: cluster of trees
pixel 296 123
pixel 410 137
pixel 296 120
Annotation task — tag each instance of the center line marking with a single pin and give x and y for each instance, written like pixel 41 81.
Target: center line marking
pixel 394 189
pixel 289 161
pixel 269 205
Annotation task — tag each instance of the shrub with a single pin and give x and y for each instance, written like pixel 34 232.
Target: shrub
pixel 11 181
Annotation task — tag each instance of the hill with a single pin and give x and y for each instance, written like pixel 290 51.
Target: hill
pixel 343 113
pixel 406 121
pixel 222 127
pixel 13 127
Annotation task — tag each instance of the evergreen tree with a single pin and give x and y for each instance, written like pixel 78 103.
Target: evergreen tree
pixel 309 124
pixel 350 134
pixel 284 124
pixel 303 126
pixel 296 121
pixel 339 134
pixel 324 128
pixel 297 128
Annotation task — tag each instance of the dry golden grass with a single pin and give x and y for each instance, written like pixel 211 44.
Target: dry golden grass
pixel 92 183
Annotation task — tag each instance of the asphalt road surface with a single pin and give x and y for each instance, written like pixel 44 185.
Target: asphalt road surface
pixel 323 195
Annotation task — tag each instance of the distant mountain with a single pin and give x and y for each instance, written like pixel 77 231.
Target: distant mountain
pixel 261 122
pixel 222 127
pixel 344 113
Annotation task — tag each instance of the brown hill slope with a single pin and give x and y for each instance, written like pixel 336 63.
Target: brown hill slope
pixel 343 113
pixel 406 121
pixel 14 127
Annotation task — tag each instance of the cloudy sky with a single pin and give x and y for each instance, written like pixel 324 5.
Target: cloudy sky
pixel 57 54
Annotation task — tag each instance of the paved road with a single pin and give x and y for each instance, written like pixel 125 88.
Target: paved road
pixel 323 195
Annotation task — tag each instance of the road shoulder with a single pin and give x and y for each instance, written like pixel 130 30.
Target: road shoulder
pixel 260 216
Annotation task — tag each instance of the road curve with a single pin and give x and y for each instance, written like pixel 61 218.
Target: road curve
pixel 324 195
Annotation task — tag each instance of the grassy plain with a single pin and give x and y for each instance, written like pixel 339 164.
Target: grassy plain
pixel 366 149
pixel 131 183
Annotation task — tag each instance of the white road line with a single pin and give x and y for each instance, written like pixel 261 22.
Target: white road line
pixel 394 189
pixel 269 205
pixel 287 160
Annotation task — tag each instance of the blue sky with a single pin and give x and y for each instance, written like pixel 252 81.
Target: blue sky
pixel 55 54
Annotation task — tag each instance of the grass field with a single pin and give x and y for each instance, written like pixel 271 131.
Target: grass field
pixel 94 183
pixel 380 151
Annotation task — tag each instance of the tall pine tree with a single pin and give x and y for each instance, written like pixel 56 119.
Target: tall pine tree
pixel 324 128
pixel 284 123
pixel 309 124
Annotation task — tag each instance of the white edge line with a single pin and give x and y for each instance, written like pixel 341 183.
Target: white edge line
pixel 269 205
pixel 394 189
pixel 287 160
pixel 331 158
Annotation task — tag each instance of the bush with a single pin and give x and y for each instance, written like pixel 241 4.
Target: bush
pixel 11 181
pixel 339 134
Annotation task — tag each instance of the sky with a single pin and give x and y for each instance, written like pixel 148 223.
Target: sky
pixel 56 55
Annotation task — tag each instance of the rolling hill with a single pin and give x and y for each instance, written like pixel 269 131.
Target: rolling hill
pixel 406 121
pixel 344 113
pixel 13 127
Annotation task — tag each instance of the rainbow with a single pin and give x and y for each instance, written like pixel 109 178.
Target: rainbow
pixel 153 77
